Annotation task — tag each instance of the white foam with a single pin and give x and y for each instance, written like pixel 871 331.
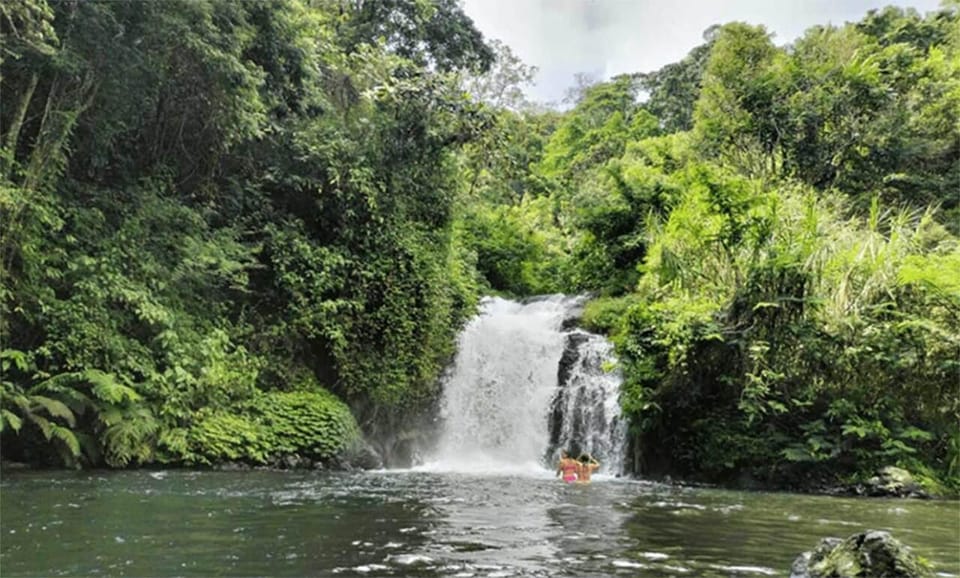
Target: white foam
pixel 627 564
pixel 410 559
pixel 654 555
pixel 746 569
pixel 367 568
pixel 484 465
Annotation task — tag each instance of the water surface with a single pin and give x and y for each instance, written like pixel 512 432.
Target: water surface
pixel 422 523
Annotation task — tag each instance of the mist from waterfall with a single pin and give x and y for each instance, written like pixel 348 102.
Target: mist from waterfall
pixel 504 408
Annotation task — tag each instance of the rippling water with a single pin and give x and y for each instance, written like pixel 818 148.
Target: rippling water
pixel 421 523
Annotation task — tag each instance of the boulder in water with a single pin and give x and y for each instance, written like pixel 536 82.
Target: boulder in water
pixel 870 554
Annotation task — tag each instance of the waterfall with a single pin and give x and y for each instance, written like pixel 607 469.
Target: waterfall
pixel 585 412
pixel 522 386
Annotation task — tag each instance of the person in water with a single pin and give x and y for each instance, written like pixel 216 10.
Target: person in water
pixel 568 467
pixel 585 468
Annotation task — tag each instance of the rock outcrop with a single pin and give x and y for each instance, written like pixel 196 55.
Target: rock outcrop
pixel 870 554
pixel 571 356
pixel 894 482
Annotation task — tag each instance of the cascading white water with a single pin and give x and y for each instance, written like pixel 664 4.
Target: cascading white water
pixel 586 409
pixel 501 394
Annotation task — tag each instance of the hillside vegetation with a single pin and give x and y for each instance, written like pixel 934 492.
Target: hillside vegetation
pixel 242 230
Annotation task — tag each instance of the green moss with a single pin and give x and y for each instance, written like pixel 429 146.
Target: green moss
pixel 870 555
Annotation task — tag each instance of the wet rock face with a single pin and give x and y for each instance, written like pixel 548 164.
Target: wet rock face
pixel 361 456
pixel 801 566
pixel 870 554
pixel 570 357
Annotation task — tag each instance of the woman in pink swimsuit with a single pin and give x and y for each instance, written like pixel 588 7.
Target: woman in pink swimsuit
pixel 568 467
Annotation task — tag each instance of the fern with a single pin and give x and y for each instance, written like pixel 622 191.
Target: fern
pixel 90 446
pixel 110 416
pixel 42 423
pixel 131 438
pixel 11 419
pixel 176 442
pixel 13 358
pixel 106 388
pixel 66 437
pixel 21 401
pixel 54 407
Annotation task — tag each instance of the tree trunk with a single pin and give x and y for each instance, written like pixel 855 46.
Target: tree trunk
pixel 13 133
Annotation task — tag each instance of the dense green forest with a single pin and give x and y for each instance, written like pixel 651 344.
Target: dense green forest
pixel 237 230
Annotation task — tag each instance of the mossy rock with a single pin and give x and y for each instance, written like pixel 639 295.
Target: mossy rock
pixel 870 554
pixel 895 482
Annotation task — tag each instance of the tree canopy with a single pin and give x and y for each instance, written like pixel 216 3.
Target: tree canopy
pixel 234 230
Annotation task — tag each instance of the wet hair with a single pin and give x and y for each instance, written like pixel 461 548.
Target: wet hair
pixel 584 458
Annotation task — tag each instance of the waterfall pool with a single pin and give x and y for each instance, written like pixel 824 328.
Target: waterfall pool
pixel 428 523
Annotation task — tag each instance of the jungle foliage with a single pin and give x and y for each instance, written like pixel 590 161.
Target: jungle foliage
pixel 771 233
pixel 215 212
pixel 234 230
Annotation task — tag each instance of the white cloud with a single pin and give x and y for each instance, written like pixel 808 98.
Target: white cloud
pixel 608 37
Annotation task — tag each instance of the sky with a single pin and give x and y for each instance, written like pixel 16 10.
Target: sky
pixel 603 38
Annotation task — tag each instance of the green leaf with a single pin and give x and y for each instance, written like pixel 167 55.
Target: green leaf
pixel 15 357
pixel 797 454
pixel 916 434
pixel 54 407
pixel 858 430
pixel 106 388
pixel 7 417
pixel 67 437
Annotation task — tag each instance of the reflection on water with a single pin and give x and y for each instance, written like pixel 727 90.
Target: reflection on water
pixel 418 523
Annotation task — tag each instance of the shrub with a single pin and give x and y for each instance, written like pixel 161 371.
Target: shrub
pixel 313 425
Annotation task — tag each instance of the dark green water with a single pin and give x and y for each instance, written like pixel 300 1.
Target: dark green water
pixel 182 523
